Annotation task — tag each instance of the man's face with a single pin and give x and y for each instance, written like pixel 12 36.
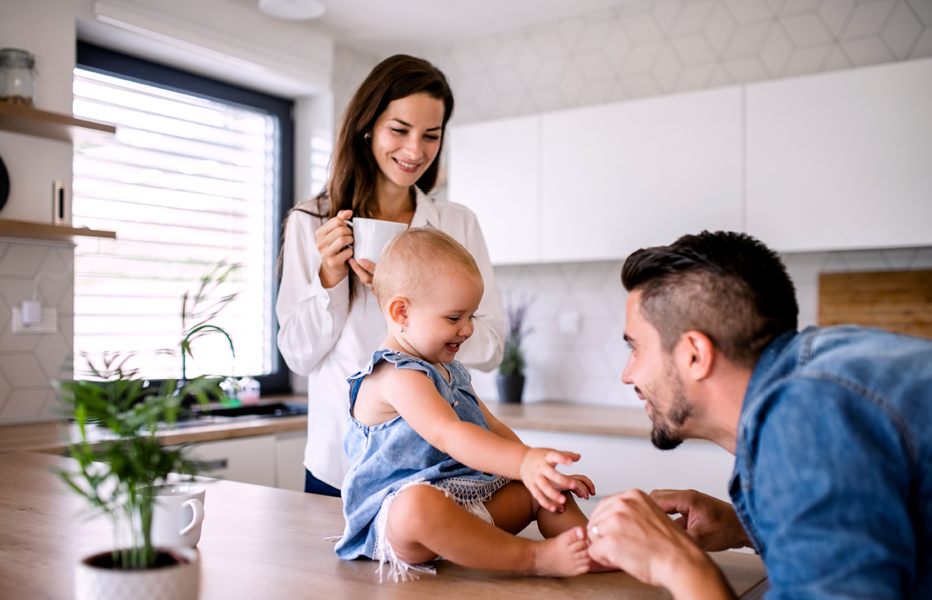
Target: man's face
pixel 653 373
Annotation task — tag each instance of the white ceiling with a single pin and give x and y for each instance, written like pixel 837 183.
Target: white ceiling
pixel 387 26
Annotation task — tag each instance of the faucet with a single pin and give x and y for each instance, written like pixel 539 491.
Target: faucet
pixel 186 346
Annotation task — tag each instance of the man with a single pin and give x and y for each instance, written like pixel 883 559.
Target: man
pixel 831 429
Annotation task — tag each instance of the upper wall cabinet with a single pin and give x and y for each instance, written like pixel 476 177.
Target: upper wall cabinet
pixel 495 172
pixel 842 160
pixel 618 177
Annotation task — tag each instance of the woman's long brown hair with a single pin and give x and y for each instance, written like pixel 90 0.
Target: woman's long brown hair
pixel 353 167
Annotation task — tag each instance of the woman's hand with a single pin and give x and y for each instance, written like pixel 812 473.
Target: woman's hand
pixel 364 269
pixel 539 476
pixel 333 237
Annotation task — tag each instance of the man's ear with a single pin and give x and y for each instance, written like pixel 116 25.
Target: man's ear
pixel 695 354
pixel 398 310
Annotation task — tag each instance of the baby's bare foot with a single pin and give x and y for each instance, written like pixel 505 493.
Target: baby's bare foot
pixel 562 556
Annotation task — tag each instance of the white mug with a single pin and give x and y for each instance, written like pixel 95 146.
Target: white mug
pixel 371 235
pixel 177 514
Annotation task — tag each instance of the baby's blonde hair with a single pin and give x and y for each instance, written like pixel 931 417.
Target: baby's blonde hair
pixel 416 256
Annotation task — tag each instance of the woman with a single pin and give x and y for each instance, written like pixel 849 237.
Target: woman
pixel 384 163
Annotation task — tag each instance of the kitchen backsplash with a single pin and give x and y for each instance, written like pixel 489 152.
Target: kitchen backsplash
pixel 29 362
pixel 587 367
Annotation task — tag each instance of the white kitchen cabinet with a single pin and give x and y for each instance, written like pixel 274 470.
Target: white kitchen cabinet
pixel 248 459
pixel 495 171
pixel 618 177
pixel 842 160
pixel 289 460
pixel 615 464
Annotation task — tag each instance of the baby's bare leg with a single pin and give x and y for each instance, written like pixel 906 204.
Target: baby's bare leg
pixel 513 505
pixel 513 508
pixel 424 523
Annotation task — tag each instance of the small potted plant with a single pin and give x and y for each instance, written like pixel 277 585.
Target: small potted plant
pixel 510 379
pixel 120 461
pixel 117 472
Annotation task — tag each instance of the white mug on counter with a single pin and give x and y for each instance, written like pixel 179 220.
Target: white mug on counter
pixel 177 514
pixel 371 235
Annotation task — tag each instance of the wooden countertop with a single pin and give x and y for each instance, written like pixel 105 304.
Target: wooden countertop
pixel 543 416
pixel 570 417
pixel 48 437
pixel 262 542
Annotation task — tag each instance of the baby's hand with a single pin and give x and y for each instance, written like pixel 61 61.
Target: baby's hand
pixel 543 480
pixel 581 486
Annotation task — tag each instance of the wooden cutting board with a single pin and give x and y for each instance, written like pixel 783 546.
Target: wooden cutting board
pixel 898 301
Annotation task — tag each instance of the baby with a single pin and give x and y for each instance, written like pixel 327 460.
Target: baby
pixel 434 473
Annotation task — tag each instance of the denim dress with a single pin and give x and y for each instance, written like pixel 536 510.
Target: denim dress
pixel 390 456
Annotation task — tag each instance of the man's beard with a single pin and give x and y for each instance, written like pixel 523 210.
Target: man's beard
pixel 665 434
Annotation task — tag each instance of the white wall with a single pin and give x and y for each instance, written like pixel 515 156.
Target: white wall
pixel 217 38
pixel 587 368
pixel 648 49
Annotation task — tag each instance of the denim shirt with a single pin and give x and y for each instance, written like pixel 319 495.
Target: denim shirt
pixel 833 470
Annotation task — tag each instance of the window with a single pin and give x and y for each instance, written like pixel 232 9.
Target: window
pixel 198 173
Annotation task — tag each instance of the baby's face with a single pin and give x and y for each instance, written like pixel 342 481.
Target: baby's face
pixel 441 313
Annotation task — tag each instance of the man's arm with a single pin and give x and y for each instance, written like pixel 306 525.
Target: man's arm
pixel 830 494
pixel 628 531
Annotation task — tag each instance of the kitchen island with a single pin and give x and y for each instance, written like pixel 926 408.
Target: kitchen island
pixel 261 542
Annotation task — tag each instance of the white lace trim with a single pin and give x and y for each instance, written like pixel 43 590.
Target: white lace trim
pixel 468 493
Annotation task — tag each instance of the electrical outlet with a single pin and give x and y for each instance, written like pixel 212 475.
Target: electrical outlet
pixel 49 323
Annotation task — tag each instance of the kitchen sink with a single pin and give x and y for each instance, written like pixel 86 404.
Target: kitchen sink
pixel 198 417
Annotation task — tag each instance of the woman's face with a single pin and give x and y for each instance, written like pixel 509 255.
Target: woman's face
pixel 406 138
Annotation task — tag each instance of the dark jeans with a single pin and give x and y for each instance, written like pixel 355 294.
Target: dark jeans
pixel 312 485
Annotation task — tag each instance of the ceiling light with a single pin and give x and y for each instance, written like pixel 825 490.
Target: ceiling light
pixel 293 10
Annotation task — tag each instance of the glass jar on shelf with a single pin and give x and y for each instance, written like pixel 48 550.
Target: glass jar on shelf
pixel 17 77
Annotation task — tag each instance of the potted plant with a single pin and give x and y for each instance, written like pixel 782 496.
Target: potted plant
pixel 117 472
pixel 120 460
pixel 510 379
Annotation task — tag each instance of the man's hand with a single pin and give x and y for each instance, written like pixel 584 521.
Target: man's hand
pixel 540 477
pixel 712 523
pixel 629 532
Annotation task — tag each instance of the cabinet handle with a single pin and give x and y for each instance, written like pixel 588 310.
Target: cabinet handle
pixel 214 465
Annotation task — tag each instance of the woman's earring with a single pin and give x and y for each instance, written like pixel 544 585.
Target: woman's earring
pixel 367 136
pixel 402 328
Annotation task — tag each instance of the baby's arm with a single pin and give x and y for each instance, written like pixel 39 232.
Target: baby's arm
pixel 579 484
pixel 414 396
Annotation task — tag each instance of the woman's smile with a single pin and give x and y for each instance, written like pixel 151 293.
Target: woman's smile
pixel 407 167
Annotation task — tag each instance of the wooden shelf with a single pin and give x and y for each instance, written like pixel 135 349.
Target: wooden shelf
pixel 54 126
pixel 42 231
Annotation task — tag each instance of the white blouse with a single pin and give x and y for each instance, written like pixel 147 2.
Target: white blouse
pixel 322 337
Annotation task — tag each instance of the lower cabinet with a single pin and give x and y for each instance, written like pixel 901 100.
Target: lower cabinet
pixel 615 464
pixel 289 460
pixel 247 460
pixel 270 460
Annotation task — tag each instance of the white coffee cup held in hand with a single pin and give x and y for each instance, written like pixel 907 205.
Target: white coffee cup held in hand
pixel 371 235
pixel 177 514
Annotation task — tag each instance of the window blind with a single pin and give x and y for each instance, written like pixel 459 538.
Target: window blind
pixel 186 183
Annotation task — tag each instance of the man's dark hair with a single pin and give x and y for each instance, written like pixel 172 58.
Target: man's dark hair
pixel 727 285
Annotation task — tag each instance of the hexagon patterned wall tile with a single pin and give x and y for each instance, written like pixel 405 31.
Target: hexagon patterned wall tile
pixel 672 46
pixel 29 362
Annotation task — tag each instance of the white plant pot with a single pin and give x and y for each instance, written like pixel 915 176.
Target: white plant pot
pixel 175 582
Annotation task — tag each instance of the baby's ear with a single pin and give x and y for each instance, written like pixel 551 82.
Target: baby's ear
pixel 398 310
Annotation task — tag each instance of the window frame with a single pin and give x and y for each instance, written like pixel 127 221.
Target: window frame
pixel 109 62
